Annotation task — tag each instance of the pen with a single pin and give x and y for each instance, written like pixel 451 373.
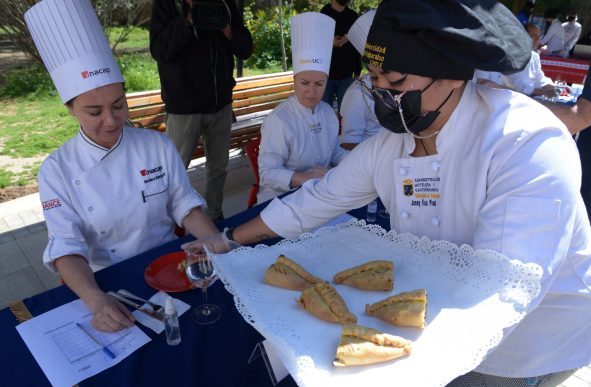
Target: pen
pixel 104 347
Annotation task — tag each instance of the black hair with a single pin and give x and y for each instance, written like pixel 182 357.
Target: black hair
pixel 551 13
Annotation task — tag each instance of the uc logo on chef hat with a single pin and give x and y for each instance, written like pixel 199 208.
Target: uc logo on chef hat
pixel 311 61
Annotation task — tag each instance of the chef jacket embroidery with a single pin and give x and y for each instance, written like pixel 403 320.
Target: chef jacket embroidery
pixel 423 190
pixel 315 127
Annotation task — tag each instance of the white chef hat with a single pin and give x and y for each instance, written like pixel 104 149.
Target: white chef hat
pixel 312 34
pixel 357 34
pixel 73 46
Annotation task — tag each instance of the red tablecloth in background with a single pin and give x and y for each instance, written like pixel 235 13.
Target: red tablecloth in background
pixel 569 70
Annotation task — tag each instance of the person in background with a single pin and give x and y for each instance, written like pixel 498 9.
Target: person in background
pixel 195 60
pixel 572 33
pixel 526 12
pixel 299 138
pixel 554 35
pixel 577 119
pixel 503 172
pixel 345 65
pixel 532 81
pixel 578 116
pixel 359 121
pixel 112 191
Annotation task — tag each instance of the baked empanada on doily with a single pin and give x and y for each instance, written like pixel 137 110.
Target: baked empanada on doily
pixel 361 345
pixel 373 275
pixel 404 309
pixel 285 273
pixel 323 301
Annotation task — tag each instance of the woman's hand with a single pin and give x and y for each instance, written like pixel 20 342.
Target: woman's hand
pixel 108 315
pixel 547 91
pixel 299 178
pixel 217 244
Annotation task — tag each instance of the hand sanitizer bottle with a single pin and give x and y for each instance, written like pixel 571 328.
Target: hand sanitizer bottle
pixel 171 323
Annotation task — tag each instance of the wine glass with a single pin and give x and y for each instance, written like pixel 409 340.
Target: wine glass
pixel 201 273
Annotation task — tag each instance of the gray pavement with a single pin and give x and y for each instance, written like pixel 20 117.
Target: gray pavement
pixel 23 236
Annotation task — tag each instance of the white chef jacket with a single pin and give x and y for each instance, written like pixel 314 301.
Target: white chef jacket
pixel 554 37
pixel 359 121
pixel 108 205
pixel 507 178
pixel 530 78
pixel 493 76
pixel 572 33
pixel 295 139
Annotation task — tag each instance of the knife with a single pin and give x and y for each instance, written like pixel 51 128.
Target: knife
pixel 134 305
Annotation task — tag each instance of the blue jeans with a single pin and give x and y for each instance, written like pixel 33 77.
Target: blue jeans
pixel 336 87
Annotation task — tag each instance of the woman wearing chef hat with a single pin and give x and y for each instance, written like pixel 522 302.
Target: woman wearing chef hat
pixel 299 139
pixel 112 191
pixel 499 172
pixel 357 110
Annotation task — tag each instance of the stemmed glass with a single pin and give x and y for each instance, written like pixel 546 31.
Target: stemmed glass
pixel 201 273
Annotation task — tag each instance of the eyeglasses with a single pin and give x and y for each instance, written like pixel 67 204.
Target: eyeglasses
pixel 384 95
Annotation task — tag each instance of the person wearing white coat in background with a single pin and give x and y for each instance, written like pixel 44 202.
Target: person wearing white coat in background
pixel 468 164
pixel 572 32
pixel 530 81
pixel 299 138
pixel 112 191
pixel 358 120
pixel 553 37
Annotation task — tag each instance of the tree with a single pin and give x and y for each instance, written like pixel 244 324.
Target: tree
pixel 111 13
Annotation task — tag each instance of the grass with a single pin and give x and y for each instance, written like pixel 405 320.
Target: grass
pixel 137 38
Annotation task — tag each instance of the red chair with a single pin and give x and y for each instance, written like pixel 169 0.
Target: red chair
pixel 252 152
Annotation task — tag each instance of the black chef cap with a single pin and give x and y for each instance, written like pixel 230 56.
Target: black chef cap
pixel 447 39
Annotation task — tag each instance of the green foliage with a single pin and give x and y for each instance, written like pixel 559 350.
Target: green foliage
pixel 264 27
pixel 137 38
pixel 5 178
pixel 139 71
pixel 361 6
pixel 32 81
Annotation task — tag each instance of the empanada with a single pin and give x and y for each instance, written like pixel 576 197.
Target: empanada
pixel 287 274
pixel 373 275
pixel 323 301
pixel 360 345
pixel 404 309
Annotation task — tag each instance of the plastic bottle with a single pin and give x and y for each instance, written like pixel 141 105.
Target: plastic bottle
pixel 171 323
pixel 372 209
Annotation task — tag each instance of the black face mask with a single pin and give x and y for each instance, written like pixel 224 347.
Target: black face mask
pixel 402 112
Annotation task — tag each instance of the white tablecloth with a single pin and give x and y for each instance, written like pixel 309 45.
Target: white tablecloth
pixel 472 296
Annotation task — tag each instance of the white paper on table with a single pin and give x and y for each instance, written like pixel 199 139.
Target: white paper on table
pixel 473 295
pixel 65 353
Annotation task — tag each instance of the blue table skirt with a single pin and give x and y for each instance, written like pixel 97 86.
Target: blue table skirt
pixel 213 355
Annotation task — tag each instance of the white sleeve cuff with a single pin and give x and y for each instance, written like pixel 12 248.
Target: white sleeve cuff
pixel 280 218
pixel 57 248
pixel 182 209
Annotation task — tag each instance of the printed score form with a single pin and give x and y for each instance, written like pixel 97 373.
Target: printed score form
pixel 68 353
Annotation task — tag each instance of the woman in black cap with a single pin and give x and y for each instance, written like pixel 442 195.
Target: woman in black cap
pixel 495 170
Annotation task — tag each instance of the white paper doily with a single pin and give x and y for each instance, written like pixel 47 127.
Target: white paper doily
pixel 472 296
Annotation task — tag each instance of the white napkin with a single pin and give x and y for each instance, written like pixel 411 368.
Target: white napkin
pixel 159 299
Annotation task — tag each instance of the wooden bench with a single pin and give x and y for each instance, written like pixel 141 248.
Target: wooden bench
pixel 253 98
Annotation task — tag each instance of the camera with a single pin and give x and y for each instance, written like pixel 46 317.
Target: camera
pixel 210 14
